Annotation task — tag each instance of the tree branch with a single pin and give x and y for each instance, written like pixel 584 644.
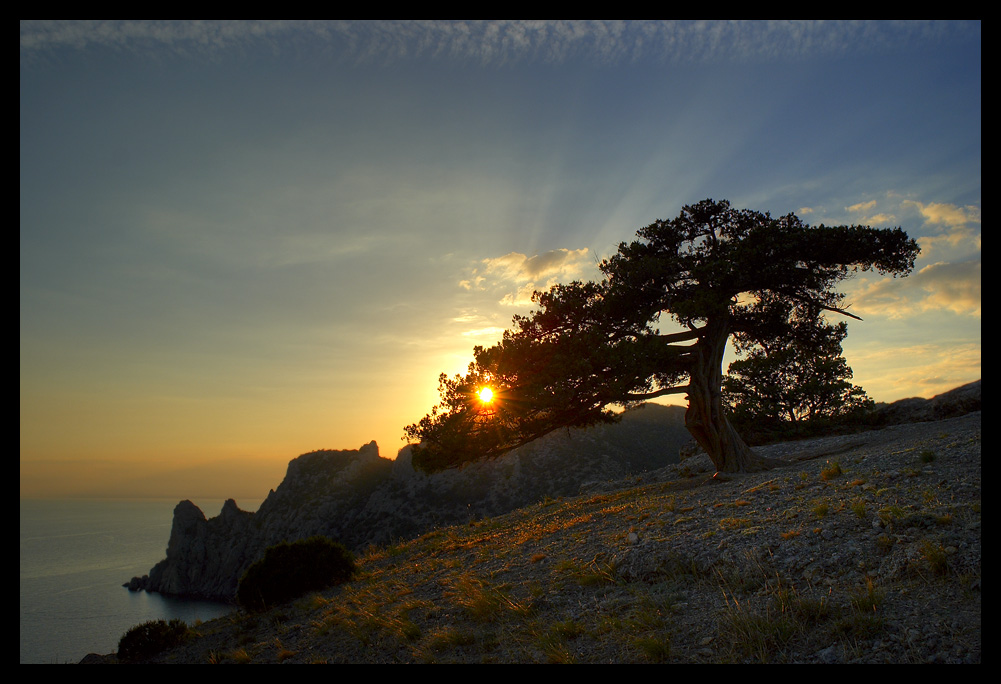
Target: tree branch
pixel 679 389
pixel 814 302
pixel 682 336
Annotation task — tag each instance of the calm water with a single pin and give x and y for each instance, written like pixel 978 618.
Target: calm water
pixel 75 555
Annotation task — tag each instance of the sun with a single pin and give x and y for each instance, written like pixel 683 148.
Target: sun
pixel 486 395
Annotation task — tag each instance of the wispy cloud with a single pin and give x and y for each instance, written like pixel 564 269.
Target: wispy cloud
pixel 930 369
pixel 474 283
pixel 182 37
pixel 492 332
pixel 952 287
pixel 523 295
pixel 958 228
pixel 945 214
pixel 518 275
pixel 880 219
pixel 861 206
pixel 516 266
pixel 501 42
pixel 861 212
pixel 961 239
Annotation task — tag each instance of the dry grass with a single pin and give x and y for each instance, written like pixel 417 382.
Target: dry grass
pixel 544 584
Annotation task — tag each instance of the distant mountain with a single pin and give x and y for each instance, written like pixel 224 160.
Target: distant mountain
pixel 956 402
pixel 359 498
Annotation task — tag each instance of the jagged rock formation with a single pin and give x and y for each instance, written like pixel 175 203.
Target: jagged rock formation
pixel 358 498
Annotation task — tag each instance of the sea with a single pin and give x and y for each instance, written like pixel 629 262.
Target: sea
pixel 75 556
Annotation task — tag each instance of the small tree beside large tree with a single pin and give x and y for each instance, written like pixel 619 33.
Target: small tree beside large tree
pixel 793 380
pixel 715 270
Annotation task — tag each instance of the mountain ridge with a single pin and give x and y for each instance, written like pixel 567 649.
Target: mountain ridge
pixel 855 548
pixel 360 499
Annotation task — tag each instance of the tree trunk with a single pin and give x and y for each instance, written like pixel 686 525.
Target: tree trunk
pixel 704 418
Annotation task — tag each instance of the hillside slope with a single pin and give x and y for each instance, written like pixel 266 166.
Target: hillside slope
pixel 359 498
pixel 861 548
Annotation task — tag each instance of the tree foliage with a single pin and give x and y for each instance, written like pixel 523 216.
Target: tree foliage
pixel 793 376
pixel 715 270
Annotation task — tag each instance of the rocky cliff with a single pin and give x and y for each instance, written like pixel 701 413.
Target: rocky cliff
pixel 359 498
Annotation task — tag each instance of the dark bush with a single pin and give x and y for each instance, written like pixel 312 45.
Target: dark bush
pixel 289 570
pixel 146 640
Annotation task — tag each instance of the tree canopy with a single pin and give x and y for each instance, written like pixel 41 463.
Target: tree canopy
pixel 792 380
pixel 715 270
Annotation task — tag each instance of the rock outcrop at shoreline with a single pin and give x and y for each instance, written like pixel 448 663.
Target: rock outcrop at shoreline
pixel 359 498
pixel 856 547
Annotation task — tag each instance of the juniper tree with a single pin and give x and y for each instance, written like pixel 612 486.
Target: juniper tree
pixel 715 270
pixel 795 373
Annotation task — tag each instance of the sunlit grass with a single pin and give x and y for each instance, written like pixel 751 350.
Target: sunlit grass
pixel 497 590
pixel 831 471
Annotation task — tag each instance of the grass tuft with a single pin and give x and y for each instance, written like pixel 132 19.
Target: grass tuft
pixel 654 649
pixel 858 508
pixel 936 557
pixel 831 471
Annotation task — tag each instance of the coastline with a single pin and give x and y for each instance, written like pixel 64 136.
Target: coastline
pixel 73 555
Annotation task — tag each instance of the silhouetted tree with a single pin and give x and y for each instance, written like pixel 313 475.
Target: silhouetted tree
pixel 792 374
pixel 715 270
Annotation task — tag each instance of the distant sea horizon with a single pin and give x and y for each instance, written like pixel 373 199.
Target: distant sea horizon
pixel 75 554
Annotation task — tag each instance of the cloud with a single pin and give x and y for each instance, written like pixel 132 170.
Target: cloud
pixel 492 332
pixel 924 370
pixel 873 219
pixel 952 239
pixel 861 206
pixel 959 230
pixel 526 274
pixel 945 214
pixel 182 37
pixel 502 42
pixel 475 283
pixel 955 287
pixel 517 266
pixel 952 287
pixel 523 296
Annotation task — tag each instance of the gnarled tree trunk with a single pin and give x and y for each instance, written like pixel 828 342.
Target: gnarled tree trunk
pixel 704 418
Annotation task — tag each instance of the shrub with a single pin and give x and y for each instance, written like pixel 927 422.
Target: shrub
pixel 289 570
pixel 146 640
pixel 831 471
pixel 858 508
pixel 936 557
pixel 821 508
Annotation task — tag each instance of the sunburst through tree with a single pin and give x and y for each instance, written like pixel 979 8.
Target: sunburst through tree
pixel 717 271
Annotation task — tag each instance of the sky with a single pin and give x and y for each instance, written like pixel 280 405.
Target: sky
pixel 243 241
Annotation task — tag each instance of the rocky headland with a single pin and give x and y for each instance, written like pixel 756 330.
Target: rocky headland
pixel 361 499
pixel 859 547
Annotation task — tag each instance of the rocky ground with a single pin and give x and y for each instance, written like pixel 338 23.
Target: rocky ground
pixel 857 548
